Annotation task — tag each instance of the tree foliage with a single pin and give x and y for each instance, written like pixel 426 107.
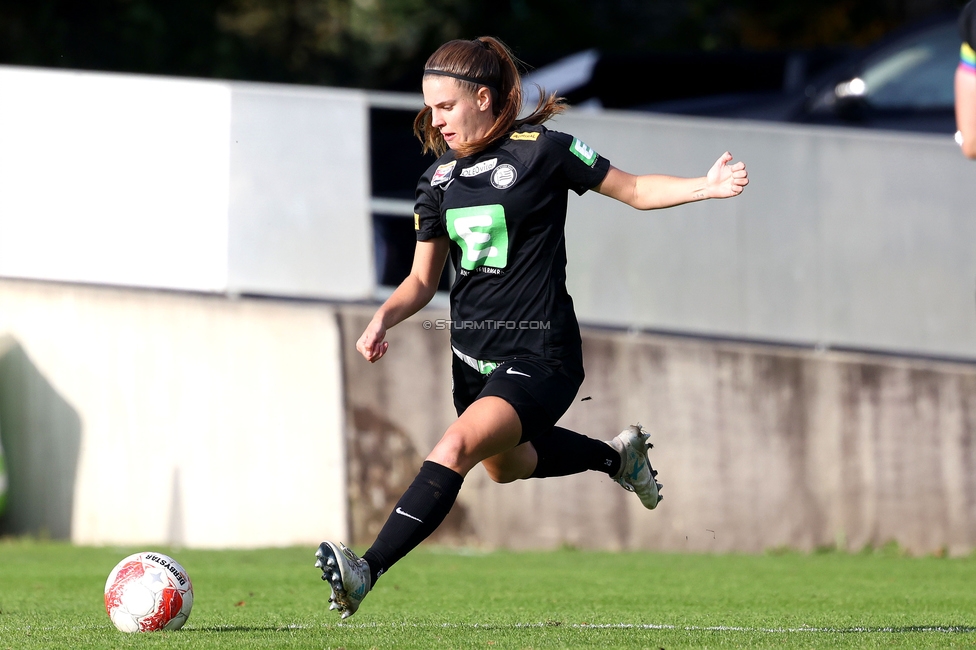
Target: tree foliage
pixel 383 43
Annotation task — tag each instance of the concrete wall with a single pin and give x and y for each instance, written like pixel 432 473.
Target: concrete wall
pixel 844 238
pixel 42 433
pixel 396 410
pixel 227 416
pixel 299 193
pixel 758 447
pixel 134 416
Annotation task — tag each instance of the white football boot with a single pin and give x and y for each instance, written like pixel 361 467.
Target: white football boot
pixel 347 574
pixel 636 473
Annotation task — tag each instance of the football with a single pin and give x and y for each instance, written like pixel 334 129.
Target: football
pixel 148 591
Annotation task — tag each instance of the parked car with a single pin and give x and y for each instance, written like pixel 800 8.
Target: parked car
pixel 662 80
pixel 903 83
pixel 906 84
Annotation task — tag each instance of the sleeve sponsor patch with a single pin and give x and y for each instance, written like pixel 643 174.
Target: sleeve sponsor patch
pixel 531 136
pixel 584 153
pixel 443 173
pixel 416 221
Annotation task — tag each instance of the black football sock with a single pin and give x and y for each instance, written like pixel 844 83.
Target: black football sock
pixel 563 452
pixel 418 513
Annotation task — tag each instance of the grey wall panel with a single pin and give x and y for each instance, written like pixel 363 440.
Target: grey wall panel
pixel 844 237
pixel 113 178
pixel 299 200
pixel 184 184
pixel 899 258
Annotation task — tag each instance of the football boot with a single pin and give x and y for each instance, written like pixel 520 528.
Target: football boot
pixel 636 474
pixel 346 573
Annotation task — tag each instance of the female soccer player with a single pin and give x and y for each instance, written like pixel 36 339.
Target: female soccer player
pixel 966 82
pixel 495 202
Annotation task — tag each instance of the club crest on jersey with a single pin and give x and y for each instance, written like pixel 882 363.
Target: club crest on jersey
pixel 480 168
pixel 504 176
pixel 443 173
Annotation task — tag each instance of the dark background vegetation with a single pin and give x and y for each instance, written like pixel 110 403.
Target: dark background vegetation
pixel 383 43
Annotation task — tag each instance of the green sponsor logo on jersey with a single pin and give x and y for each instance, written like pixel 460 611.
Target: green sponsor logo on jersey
pixel 584 153
pixel 482 234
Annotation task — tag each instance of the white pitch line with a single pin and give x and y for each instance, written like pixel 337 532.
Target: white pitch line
pixel 780 630
pixel 943 629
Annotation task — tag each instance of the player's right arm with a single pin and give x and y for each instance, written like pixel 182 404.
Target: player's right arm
pixel 409 298
pixel 965 82
pixel 966 108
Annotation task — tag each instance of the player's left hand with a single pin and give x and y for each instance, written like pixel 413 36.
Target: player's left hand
pixel 724 180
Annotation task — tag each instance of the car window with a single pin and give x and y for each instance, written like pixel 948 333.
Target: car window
pixel 915 74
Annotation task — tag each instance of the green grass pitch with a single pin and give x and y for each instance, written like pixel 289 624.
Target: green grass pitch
pixel 51 597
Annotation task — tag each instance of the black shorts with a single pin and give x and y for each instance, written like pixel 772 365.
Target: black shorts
pixel 540 390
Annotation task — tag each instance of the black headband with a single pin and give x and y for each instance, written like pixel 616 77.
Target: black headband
pixel 481 82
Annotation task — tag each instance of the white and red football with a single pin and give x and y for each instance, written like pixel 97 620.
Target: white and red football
pixel 148 591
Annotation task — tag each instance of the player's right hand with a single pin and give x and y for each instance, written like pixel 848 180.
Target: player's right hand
pixel 371 344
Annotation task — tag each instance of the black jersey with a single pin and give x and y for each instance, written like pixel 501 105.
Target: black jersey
pixel 505 212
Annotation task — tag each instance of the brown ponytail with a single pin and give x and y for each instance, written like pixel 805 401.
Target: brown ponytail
pixel 485 61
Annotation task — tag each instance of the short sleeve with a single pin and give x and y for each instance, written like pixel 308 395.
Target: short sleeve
pixel 581 165
pixel 426 210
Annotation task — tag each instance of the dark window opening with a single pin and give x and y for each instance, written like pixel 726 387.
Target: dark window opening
pixel 395 159
pixel 394 240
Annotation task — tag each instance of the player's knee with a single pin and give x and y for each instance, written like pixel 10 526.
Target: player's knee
pixel 455 450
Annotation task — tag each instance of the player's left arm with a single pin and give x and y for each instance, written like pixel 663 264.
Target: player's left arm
pixel 653 191
pixel 965 86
